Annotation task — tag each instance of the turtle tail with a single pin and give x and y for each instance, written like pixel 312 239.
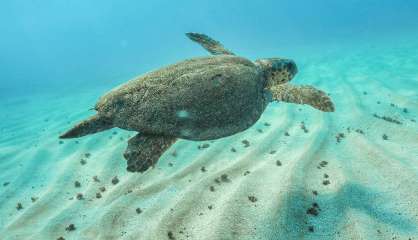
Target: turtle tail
pixel 92 125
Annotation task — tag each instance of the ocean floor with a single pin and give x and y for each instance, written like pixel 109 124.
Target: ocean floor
pixel 351 174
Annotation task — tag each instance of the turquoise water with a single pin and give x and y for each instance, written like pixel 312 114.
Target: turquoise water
pixel 305 174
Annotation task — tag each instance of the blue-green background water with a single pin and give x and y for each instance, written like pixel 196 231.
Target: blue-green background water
pixel 58 57
pixel 57 43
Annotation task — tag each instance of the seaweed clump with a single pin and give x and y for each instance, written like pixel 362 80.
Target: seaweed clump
pixel 387 119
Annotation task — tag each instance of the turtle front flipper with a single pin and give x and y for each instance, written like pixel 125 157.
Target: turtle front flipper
pixel 303 94
pixel 143 151
pixel 211 45
pixel 92 125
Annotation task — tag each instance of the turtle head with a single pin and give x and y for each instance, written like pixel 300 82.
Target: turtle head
pixel 277 70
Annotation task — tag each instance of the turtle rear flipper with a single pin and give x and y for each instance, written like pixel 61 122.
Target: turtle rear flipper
pixel 143 151
pixel 92 125
pixel 211 45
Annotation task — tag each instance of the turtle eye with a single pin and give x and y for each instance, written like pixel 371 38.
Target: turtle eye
pixel 291 67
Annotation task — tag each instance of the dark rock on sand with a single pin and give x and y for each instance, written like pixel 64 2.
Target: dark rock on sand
pixel 70 228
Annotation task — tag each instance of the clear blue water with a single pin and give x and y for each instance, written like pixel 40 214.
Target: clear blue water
pixel 47 43
pixel 58 57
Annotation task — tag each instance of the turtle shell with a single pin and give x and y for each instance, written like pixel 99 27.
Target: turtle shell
pixel 198 99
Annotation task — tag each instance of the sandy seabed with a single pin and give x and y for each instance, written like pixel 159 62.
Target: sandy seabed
pixel 352 174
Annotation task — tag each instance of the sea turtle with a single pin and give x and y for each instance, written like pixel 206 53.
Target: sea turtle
pixel 197 99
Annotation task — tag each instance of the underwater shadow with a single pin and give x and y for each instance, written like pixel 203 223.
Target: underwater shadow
pixel 330 214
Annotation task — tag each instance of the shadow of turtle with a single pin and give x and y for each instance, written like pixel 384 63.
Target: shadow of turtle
pixel 336 212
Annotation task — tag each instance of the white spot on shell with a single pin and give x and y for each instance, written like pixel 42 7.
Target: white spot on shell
pixel 183 114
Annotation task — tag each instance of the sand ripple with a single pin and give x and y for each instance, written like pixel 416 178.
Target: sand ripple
pixel 305 185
